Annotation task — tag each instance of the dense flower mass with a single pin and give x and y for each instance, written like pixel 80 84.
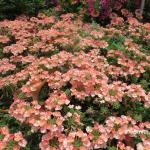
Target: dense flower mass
pixel 69 85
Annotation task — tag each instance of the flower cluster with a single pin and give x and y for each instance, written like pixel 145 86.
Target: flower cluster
pixel 33 114
pixel 56 100
pixel 6 66
pixel 11 140
pixel 127 65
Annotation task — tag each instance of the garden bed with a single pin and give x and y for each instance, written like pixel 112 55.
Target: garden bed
pixel 69 85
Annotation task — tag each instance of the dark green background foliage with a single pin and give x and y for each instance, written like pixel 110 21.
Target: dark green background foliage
pixel 147 11
pixel 11 8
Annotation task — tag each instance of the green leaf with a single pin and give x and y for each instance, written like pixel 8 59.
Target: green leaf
pixel 116 105
pixel 11 145
pixel 96 134
pixel 52 121
pixel 137 117
pixel 113 148
pixel 112 92
pixel 1 136
pixel 117 126
pixel 77 142
pixel 43 94
pixel 54 142
pixel 22 95
pixel 68 92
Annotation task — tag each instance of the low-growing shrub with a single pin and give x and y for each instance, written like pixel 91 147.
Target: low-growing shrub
pixel 70 85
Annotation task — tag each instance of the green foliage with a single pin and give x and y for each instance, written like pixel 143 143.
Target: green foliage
pixel 96 134
pixel 11 8
pixel 116 42
pixel 1 53
pixel 112 148
pixel 1 136
pixel 44 93
pixel 77 143
pixel 68 6
pixel 137 140
pixel 116 105
pixel 22 95
pixel 6 96
pixel 7 120
pixel 33 140
pixel 144 80
pixel 54 142
pixel 10 145
pixel 68 92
